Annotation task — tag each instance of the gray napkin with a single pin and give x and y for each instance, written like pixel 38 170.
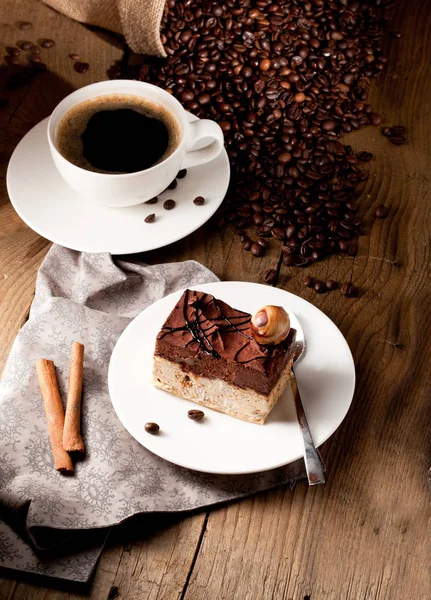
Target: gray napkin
pixel 90 298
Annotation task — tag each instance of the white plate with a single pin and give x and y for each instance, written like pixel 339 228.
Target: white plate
pixel 222 444
pixel 49 206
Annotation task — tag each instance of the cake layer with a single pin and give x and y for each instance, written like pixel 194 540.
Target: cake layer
pixel 208 338
pixel 218 394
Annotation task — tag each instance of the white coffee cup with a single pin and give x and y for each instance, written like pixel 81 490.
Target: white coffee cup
pixel 134 188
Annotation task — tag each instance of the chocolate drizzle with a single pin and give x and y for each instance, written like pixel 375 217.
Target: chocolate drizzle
pixel 202 327
pixel 208 338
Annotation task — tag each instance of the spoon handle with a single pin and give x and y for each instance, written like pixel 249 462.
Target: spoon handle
pixel 313 463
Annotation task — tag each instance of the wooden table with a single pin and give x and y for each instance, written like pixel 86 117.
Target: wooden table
pixel 365 534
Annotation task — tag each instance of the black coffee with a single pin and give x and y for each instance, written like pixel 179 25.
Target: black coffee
pixel 117 134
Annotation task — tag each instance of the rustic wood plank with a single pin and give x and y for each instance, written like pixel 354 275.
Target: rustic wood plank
pixel 364 535
pixel 147 558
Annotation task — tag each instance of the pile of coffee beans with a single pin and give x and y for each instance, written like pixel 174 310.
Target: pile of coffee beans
pixel 284 80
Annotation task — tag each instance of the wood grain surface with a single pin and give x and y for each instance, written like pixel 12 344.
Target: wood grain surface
pixel 366 533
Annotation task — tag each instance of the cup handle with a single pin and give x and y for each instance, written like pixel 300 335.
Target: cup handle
pixel 198 132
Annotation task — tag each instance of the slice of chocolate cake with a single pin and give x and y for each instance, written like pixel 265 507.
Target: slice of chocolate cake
pixel 205 352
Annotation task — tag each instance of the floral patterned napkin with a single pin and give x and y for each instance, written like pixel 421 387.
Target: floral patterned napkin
pixel 46 516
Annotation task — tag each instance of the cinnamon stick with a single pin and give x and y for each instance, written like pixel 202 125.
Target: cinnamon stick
pixel 72 439
pixel 54 413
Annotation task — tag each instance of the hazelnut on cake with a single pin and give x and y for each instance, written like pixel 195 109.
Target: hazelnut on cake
pixel 222 358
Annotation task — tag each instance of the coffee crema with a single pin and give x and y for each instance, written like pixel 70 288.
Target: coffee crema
pixel 117 133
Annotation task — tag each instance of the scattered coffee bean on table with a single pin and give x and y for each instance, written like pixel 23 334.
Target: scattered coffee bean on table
pixel 199 200
pixel 172 185
pixel 319 287
pixel 152 428
pixel 47 43
pixel 152 200
pixel 349 290
pixel 331 284
pixel 397 140
pixel 169 204
pixel 26 45
pixel 150 218
pixel 283 85
pixel 381 212
pixel 12 51
pixel 257 250
pixel 81 67
pixel 24 25
pixel 74 56
pixel 181 174
pixel 364 156
pixel 196 415
pixel 386 131
pixel 308 281
pixel 270 276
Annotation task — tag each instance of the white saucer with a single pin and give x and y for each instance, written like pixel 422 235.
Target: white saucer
pixel 222 444
pixel 46 203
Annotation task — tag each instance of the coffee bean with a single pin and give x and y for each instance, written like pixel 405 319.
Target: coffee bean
pixel 375 119
pixel 172 185
pixel 248 243
pixel 331 284
pixel 74 56
pixel 308 281
pixel 81 67
pixel 381 212
pixel 152 428
pixel 270 276
pixel 284 157
pixel 169 204
pixel 47 43
pixel 181 174
pixel 398 129
pixel 24 25
pixel 150 218
pixel 364 156
pixel 199 200
pixel 386 131
pixel 289 260
pixel 300 97
pixel 26 45
pixel 262 242
pixel 329 125
pixel 278 233
pixel 257 250
pixel 152 200
pixel 319 287
pixel 12 51
pixel 196 415
pixel 397 140
pixel 349 290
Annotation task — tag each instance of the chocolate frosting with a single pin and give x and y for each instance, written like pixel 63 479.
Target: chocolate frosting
pixel 207 336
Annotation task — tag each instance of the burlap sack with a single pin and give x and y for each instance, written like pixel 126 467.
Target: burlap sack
pixel 138 20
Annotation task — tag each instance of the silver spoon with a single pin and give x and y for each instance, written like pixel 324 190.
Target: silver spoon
pixel 313 463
